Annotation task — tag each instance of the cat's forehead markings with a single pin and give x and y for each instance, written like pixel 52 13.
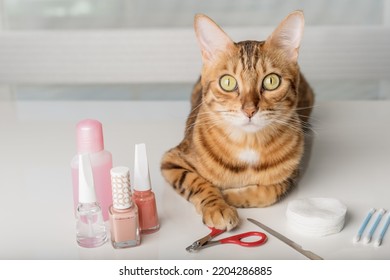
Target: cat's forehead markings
pixel 249 54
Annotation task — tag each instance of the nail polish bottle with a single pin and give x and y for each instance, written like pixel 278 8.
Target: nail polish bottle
pixel 90 227
pixel 123 212
pixel 90 140
pixel 143 195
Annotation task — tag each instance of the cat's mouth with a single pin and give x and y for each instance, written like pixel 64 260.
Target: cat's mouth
pixel 246 124
pixel 255 123
pixel 250 125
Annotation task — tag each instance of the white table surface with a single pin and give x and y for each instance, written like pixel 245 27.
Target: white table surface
pixel 350 161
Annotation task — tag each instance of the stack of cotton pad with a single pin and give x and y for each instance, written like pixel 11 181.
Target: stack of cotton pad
pixel 316 216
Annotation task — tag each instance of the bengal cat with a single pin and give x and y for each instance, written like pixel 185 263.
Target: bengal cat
pixel 244 138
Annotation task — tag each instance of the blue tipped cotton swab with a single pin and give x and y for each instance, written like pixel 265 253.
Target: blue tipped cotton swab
pixel 367 239
pixel 364 224
pixel 378 242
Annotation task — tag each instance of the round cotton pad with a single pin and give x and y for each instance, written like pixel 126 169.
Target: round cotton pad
pixel 316 216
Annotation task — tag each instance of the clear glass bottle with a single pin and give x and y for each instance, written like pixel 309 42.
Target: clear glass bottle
pixel 91 231
pixel 90 228
pixel 123 212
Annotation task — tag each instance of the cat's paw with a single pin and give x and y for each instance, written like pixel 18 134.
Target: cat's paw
pixel 220 216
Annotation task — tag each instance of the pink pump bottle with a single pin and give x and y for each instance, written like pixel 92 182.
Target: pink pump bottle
pixel 90 141
pixel 143 195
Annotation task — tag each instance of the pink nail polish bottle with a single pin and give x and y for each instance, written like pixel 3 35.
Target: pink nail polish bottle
pixel 90 141
pixel 123 212
pixel 143 195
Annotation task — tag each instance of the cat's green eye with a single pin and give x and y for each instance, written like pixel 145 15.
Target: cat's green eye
pixel 228 83
pixel 271 82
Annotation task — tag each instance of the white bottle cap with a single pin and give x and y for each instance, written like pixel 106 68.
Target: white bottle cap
pixel 86 184
pixel 141 169
pixel 120 182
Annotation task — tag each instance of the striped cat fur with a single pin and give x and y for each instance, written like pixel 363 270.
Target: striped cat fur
pixel 244 137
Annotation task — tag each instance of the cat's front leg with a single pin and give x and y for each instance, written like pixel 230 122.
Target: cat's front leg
pixel 256 195
pixel 217 213
pixel 207 199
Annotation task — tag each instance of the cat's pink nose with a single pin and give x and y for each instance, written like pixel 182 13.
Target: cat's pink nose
pixel 249 112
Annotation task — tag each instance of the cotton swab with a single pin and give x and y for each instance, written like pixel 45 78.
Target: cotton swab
pixel 364 224
pixel 367 239
pixel 378 242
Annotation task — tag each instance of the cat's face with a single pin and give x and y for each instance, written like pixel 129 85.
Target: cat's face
pixel 250 85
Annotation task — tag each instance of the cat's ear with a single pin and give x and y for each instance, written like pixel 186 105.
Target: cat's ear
pixel 212 39
pixel 288 35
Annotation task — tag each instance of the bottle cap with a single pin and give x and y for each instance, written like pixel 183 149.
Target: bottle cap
pixel 89 136
pixel 121 192
pixel 141 169
pixel 86 185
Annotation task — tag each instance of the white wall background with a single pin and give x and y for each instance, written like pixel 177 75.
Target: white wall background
pixel 139 49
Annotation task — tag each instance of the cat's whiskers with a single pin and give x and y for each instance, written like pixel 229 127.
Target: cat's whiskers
pixel 215 124
pixel 212 120
pixel 311 125
pixel 296 125
pixel 312 118
pixel 205 119
pixel 226 111
pixel 197 106
pixel 304 108
pixel 307 126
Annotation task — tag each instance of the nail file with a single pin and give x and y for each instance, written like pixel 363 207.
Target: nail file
pixel 289 242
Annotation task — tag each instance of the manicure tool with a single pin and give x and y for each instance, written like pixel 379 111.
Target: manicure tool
pixel 364 224
pixel 367 239
pixel 289 242
pixel 378 242
pixel 206 242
